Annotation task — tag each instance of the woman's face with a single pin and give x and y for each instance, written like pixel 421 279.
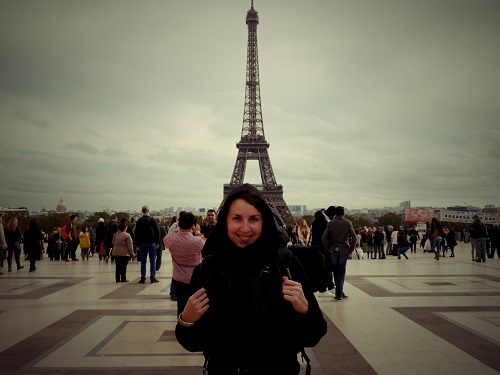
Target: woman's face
pixel 244 223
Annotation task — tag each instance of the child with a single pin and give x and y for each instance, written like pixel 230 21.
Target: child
pixel 358 252
pixel 84 243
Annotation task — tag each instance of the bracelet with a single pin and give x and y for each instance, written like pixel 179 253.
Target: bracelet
pixel 183 323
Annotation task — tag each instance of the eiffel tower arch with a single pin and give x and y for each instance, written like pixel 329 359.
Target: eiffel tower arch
pixel 253 144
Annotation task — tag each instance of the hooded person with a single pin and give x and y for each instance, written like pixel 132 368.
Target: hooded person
pixel 243 313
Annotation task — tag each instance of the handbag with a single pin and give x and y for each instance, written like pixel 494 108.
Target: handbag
pixel 102 249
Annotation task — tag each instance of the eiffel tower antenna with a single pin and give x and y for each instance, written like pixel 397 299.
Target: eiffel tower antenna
pixel 253 144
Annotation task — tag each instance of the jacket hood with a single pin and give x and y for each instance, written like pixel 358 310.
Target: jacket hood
pixel 270 233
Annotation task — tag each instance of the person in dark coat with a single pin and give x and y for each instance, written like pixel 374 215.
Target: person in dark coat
pixel 33 244
pixel 246 313
pixel 452 242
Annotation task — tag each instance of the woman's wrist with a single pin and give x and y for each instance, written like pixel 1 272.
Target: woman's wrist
pixel 182 322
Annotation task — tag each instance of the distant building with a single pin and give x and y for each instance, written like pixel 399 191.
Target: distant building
pixel 61 207
pixel 21 211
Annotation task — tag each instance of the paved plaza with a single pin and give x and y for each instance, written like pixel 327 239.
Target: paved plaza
pixel 415 317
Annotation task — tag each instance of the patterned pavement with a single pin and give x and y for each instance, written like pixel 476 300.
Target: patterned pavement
pixel 416 317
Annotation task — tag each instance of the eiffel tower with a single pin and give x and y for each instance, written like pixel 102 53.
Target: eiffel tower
pixel 253 144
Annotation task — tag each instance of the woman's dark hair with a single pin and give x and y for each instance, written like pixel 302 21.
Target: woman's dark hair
pixel 122 227
pixel 253 197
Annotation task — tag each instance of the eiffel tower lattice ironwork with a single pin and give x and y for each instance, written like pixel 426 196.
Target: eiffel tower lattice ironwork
pixel 253 144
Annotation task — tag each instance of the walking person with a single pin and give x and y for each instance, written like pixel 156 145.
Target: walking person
pixel 123 251
pixel 33 244
pixel 339 239
pixel 435 236
pixel 243 301
pixel 147 237
pixel 13 237
pixel 452 242
pixel 403 244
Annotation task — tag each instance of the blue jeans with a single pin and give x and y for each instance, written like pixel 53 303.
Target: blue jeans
pixel 480 248
pixel 403 250
pixel 379 249
pixel 339 263
pixel 435 245
pixel 148 249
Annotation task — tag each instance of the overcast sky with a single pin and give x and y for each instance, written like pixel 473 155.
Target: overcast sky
pixel 366 103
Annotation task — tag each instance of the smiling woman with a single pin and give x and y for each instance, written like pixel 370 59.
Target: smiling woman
pixel 242 299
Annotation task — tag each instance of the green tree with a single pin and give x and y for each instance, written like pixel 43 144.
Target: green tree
pixel 391 218
pixel 46 222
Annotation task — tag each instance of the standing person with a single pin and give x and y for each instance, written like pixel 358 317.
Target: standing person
pixel 33 244
pixel 304 233
pixel 109 232
pixel 243 301
pixel 294 236
pixel 99 238
pixel 3 243
pixel 495 240
pixel 435 236
pixel 478 234
pixel 51 244
pixel 172 227
pixel 131 231
pixel 370 244
pixel 414 237
pixel 84 243
pixel 452 242
pixel 147 237
pixel 378 242
pixel 318 227
pixel 340 239
pixel 388 238
pixel 92 240
pixel 394 241
pixel 71 241
pixel 123 250
pixel 159 250
pixel 185 249
pixel 207 228
pixel 13 237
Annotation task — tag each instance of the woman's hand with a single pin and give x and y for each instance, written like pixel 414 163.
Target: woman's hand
pixel 293 293
pixel 196 306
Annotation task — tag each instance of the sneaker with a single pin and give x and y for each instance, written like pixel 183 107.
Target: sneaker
pixel 337 299
pixel 326 294
pixel 155 281
pixel 142 281
pixel 20 268
pixel 344 296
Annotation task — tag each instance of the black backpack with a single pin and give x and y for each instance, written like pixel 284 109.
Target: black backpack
pixel 284 259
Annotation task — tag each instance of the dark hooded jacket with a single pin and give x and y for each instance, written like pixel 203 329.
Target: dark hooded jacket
pixel 249 326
